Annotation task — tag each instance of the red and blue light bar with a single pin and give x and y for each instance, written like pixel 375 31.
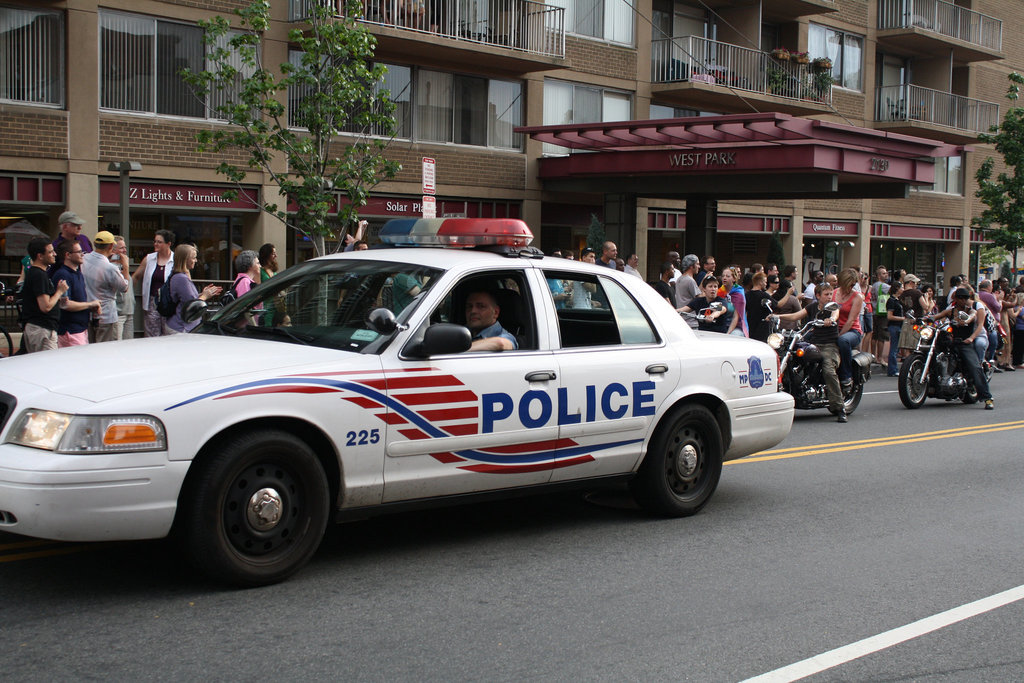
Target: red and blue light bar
pixel 456 232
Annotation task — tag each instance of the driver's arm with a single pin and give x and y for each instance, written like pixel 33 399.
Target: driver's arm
pixel 491 344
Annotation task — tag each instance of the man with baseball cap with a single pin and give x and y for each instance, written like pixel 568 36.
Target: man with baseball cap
pixel 104 281
pixel 70 226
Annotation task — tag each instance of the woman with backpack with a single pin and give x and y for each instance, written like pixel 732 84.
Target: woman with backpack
pixel 183 290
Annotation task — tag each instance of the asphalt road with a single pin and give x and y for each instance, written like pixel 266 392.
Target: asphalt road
pixel 838 542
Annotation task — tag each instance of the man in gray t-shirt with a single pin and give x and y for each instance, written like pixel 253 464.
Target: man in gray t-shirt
pixel 686 285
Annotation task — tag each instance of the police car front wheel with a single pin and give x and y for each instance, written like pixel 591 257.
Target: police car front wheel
pixel 256 510
pixel 683 464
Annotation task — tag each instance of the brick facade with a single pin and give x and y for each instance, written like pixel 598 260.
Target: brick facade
pixel 158 142
pixel 33 132
pixel 601 59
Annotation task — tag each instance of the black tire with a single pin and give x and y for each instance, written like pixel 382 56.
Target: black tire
pixel 970 394
pixel 851 399
pixel 683 464
pixel 913 389
pixel 222 534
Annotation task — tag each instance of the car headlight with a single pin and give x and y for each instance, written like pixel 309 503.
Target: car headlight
pixel 775 340
pixel 927 333
pixel 87 434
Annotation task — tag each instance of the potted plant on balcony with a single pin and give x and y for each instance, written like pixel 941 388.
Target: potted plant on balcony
pixel 822 82
pixel 801 58
pixel 781 54
pixel 821 64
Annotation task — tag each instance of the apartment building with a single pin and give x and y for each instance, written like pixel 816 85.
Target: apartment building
pixel 87 85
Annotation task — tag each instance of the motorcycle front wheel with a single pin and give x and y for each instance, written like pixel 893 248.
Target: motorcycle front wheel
pixel 913 385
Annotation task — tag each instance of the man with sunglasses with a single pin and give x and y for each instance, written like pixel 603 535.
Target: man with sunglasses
pixel 75 306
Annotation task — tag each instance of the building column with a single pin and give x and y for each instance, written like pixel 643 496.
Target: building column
pixel 701 226
pixel 793 246
pixel 860 253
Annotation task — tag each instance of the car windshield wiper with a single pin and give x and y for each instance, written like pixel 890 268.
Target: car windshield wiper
pixel 281 332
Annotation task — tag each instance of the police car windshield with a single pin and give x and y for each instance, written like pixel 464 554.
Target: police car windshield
pixel 325 303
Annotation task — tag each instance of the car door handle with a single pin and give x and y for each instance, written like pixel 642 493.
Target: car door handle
pixel 657 369
pixel 540 376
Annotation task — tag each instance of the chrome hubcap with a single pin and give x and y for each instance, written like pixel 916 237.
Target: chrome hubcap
pixel 686 461
pixel 264 509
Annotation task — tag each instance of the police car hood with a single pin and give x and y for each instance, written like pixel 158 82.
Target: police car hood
pixel 100 372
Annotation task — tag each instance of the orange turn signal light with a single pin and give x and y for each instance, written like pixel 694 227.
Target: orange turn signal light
pixel 129 435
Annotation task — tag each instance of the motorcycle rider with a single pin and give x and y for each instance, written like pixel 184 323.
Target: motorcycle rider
pixel 826 338
pixel 964 333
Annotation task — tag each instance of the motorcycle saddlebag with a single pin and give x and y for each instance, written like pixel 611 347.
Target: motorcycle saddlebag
pixel 863 361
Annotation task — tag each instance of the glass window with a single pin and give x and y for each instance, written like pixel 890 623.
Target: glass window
pixel 141 61
pixel 846 50
pixel 178 46
pixel 606 19
pixel 634 327
pixel 948 177
pixel 434 106
pixel 510 293
pixel 571 103
pixel 596 311
pixel 319 303
pixel 31 56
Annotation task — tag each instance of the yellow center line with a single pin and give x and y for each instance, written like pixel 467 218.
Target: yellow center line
pixel 60 550
pixel 799 452
pixel 24 544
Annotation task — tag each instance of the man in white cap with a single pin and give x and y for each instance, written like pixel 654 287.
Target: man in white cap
pixel 70 226
pixel 104 281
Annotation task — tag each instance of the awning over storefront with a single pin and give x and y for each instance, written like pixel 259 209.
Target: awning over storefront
pixel 741 156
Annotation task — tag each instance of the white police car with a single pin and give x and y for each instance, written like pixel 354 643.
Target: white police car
pixel 345 386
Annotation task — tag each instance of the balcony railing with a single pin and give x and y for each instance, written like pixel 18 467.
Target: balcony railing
pixel 944 18
pixel 697 59
pixel 914 103
pixel 525 25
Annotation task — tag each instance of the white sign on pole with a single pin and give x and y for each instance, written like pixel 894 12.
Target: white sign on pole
pixel 429 207
pixel 429 176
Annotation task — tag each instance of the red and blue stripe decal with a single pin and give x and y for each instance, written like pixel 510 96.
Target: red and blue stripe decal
pixel 422 404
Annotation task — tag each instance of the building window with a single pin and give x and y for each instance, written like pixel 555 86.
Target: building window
pixel 949 177
pixel 606 19
pixel 140 66
pixel 436 106
pixel 846 50
pixel 571 103
pixel 467 110
pixel 662 111
pixel 397 82
pixel 31 56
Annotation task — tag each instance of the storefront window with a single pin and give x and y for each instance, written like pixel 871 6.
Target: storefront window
pixel 217 238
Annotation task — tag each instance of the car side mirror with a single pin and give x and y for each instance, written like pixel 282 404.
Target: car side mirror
pixel 440 339
pixel 193 310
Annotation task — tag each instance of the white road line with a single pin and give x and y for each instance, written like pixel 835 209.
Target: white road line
pixel 894 391
pixel 862 648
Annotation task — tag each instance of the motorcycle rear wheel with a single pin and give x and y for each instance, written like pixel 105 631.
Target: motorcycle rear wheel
pixel 912 384
pixel 852 399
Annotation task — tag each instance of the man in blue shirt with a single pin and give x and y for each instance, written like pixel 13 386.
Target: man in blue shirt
pixel 482 320
pixel 73 324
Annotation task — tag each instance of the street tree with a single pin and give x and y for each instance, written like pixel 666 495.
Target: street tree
pixel 1003 220
pixel 330 140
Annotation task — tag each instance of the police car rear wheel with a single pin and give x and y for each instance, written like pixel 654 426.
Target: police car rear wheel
pixel 257 509
pixel 682 465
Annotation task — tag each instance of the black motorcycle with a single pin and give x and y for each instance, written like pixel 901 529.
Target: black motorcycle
pixel 801 369
pixel 934 369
